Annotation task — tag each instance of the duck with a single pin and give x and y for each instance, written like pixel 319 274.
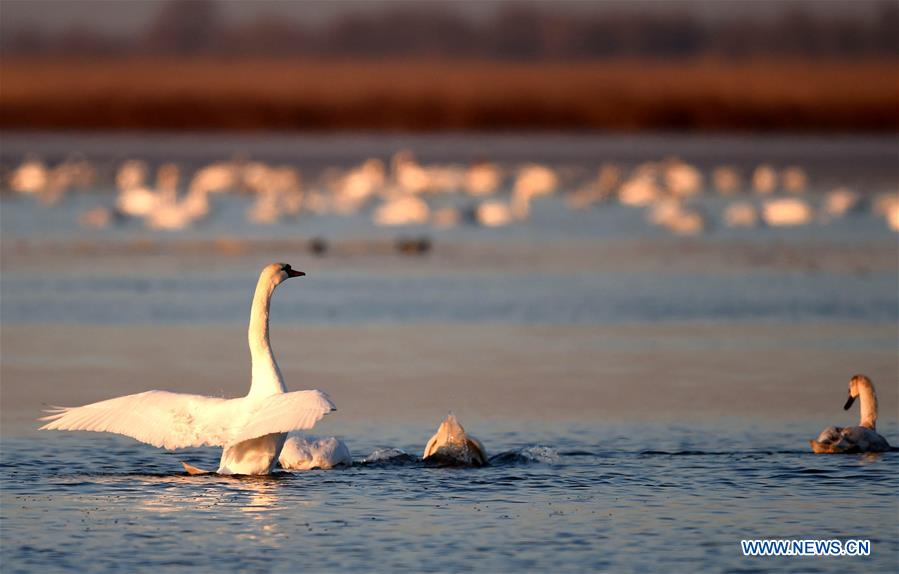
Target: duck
pixel 251 430
pixel 306 453
pixel 452 446
pixel 857 439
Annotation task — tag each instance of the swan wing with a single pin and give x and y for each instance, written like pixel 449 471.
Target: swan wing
pixel 285 412
pixel 160 418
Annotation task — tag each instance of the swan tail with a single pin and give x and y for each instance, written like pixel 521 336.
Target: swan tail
pixel 192 470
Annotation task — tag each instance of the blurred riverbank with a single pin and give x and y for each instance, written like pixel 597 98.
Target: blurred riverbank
pixel 620 94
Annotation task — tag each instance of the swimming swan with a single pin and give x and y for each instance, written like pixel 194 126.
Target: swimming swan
pixel 863 438
pixel 305 453
pixel 251 429
pixel 452 445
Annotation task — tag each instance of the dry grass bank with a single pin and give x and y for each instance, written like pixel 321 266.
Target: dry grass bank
pixel 450 95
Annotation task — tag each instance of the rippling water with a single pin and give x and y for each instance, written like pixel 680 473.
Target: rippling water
pixel 559 496
pixel 615 498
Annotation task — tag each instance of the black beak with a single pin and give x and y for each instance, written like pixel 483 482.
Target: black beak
pixel 849 402
pixel 292 273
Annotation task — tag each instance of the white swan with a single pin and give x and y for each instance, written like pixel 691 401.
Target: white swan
pixel 452 445
pixel 305 453
pixel 252 429
pixel 863 438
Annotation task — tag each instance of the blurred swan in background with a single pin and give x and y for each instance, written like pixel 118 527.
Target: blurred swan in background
pixel 483 178
pixel 306 453
pixel 30 177
pixel 278 190
pixel 840 202
pixel 135 199
pixel 726 180
pixel 405 210
pixel 794 179
pixel 251 429
pixel 494 214
pixel 640 189
pixel 886 205
pixel 785 212
pixel 452 445
pixel 861 438
pixel 682 179
pixel 597 190
pixel 672 214
pixel 741 214
pixel 764 179
pixel 535 180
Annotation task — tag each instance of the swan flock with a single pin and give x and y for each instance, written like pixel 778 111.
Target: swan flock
pixel 259 431
pixel 251 430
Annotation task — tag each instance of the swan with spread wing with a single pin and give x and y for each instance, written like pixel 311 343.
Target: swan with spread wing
pixel 251 429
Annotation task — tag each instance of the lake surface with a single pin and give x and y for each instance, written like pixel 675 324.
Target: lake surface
pixel 605 498
pixel 647 398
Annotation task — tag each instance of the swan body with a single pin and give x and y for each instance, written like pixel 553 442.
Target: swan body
pixel 305 453
pixel 861 438
pixel 786 212
pixel 251 429
pixel 137 201
pixel 741 214
pixel 726 180
pixel 452 445
pixel 405 210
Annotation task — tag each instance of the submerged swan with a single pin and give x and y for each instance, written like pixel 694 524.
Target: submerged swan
pixel 251 429
pixel 305 453
pixel 452 445
pixel 863 438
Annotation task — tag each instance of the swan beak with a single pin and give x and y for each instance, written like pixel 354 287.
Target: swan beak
pixel 294 273
pixel 849 402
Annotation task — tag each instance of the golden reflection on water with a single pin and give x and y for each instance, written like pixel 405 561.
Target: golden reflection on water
pixel 257 497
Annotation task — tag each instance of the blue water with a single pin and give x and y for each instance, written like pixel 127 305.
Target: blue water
pixel 614 498
pixel 640 496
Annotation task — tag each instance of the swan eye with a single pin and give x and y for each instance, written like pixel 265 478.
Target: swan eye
pixel 285 268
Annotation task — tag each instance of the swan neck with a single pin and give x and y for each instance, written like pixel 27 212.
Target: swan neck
pixel 867 399
pixel 266 376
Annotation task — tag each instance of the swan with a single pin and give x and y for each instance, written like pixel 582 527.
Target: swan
pixel 305 453
pixel 670 213
pixel 786 212
pixel 726 179
pixel 482 178
pixel 452 445
pixel 404 210
pixel 29 178
pixel 251 429
pixel 794 179
pixel 682 179
pixel 864 437
pixel 764 179
pixel 741 214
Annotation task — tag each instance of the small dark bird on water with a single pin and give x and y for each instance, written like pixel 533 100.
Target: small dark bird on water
pixel 318 246
pixel 413 245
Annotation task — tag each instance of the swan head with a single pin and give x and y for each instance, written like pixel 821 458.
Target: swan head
pixel 856 383
pixel 277 273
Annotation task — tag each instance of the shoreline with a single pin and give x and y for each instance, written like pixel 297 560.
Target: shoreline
pixel 622 95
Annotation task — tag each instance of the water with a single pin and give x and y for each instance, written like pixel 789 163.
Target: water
pixel 621 499
pixel 647 399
